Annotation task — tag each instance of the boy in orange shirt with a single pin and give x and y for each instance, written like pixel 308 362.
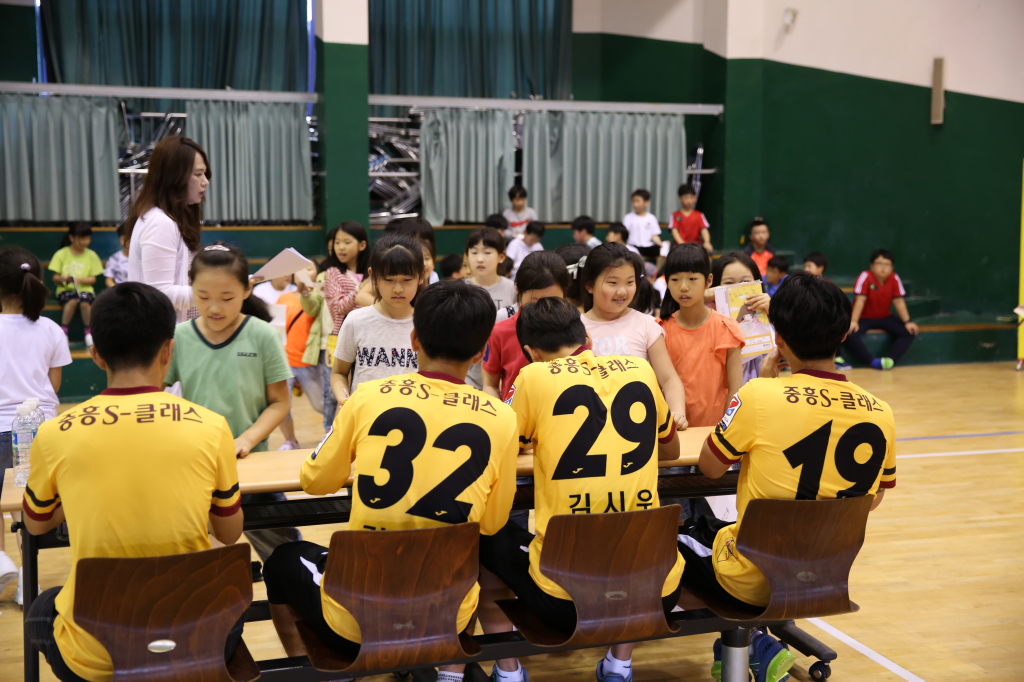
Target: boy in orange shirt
pixel 704 346
pixel 759 250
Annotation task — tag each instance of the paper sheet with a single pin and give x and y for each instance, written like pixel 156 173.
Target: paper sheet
pixel 288 262
pixel 301 276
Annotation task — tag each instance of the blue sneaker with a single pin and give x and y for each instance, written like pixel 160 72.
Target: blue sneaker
pixel 495 678
pixel 842 365
pixel 770 661
pixel 601 677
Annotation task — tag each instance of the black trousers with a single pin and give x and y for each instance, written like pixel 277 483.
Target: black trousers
pixel 40 619
pixel 892 325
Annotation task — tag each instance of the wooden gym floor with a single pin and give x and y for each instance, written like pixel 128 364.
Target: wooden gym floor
pixel 940 580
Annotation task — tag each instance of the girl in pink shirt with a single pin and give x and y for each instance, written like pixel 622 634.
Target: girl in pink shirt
pixel 610 276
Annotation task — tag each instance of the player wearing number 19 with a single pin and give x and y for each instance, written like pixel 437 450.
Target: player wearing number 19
pixel 600 425
pixel 811 436
pixel 427 449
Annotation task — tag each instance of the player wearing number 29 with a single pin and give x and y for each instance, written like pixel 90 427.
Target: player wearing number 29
pixel 600 425
pixel 813 435
pixel 427 450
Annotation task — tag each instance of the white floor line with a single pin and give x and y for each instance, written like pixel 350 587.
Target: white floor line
pixel 870 653
pixel 962 452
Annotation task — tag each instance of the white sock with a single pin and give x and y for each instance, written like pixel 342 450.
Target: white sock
pixel 445 676
pixel 613 666
pixel 506 676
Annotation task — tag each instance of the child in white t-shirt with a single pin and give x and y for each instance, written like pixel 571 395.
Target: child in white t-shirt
pixel 35 350
pixel 644 230
pixel 374 342
pixel 521 247
pixel 520 215
pixel 116 268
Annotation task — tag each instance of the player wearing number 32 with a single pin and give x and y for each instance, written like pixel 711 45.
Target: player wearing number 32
pixel 574 406
pixel 427 450
pixel 811 436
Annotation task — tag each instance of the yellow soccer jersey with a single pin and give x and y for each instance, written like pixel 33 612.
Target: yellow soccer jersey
pixel 811 436
pixel 596 423
pixel 428 450
pixel 138 472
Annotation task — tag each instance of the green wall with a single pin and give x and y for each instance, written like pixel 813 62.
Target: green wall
pixel 18 37
pixel 839 163
pixel 851 164
pixel 343 77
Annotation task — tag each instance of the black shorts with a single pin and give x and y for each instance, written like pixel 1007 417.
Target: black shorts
pixel 39 626
pixel 506 554
pixel 649 252
pixel 696 544
pixel 84 297
pixel 289 578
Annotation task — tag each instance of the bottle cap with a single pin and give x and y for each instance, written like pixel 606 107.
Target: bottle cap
pixel 24 409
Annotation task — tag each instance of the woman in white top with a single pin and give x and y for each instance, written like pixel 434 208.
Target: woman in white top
pixel 165 222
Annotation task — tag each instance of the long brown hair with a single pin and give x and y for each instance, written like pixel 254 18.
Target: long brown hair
pixel 166 187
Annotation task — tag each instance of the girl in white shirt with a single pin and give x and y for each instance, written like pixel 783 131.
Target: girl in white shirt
pixel 165 222
pixel 35 350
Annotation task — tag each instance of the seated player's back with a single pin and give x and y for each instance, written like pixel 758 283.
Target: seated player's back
pixel 426 450
pixel 811 436
pixel 596 423
pixel 138 472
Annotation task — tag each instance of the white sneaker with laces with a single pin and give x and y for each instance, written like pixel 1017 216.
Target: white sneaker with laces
pixel 8 571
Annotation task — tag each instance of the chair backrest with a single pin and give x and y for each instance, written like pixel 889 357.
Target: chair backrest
pixel 404 589
pixel 614 567
pixel 165 618
pixel 805 549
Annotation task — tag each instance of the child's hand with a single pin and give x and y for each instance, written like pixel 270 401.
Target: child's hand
pixel 758 302
pixel 855 327
pixel 243 447
pixel 708 247
pixel 681 423
pixel 301 287
pixel 770 365
pixel 912 328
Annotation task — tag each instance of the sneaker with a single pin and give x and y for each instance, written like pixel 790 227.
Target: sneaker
pixel 601 677
pixel 716 667
pixel 883 363
pixel 842 364
pixel 770 661
pixel 289 445
pixel 495 678
pixel 17 595
pixel 8 571
pixel 88 340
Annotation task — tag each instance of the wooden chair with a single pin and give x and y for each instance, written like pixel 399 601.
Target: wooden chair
pixel 404 588
pixel 167 618
pixel 805 549
pixel 614 567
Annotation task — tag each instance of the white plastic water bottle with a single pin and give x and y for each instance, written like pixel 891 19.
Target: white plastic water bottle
pixel 37 413
pixel 22 432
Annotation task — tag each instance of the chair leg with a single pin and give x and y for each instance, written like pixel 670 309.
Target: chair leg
pixel 735 656
pixel 789 633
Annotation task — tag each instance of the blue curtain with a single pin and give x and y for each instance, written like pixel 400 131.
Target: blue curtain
pixel 467 164
pixel 582 163
pixel 471 48
pixel 242 44
pixel 260 157
pixel 58 158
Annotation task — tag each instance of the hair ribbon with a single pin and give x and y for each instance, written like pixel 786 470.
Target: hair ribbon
pixel 26 266
pixel 575 268
pixel 216 247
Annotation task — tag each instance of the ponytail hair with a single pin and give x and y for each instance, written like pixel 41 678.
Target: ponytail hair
pixel 231 258
pixel 76 230
pixel 21 275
